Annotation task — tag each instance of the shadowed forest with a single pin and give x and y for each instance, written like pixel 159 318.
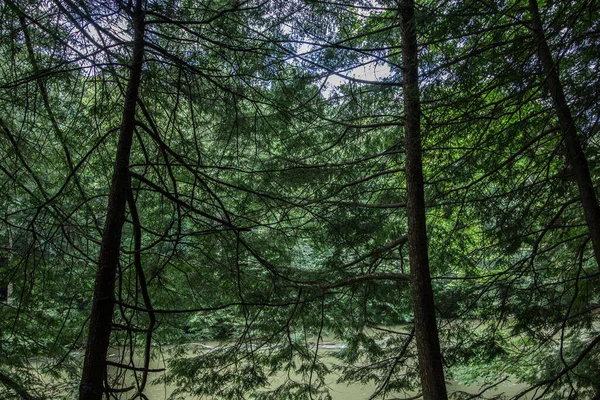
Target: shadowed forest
pixel 272 199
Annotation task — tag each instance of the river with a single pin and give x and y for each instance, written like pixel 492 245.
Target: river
pixel 357 391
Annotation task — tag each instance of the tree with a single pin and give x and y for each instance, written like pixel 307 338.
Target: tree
pixel 575 154
pixel 527 271
pixel 94 368
pixel 430 359
pixel 261 205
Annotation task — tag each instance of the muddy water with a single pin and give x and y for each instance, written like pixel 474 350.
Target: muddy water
pixel 338 391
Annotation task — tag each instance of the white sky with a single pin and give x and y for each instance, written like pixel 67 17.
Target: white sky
pixel 373 70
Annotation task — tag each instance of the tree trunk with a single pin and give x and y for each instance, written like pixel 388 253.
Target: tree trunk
pixel 428 345
pixel 575 156
pixel 6 290
pixel 3 288
pixel 94 368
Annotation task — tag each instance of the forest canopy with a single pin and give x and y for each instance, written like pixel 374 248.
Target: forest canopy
pixel 397 194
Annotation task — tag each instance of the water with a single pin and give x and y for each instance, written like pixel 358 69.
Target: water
pixel 338 391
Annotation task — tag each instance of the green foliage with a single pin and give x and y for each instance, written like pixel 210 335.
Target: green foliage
pixel 262 193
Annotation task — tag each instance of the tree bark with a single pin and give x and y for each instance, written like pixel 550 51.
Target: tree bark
pixel 575 155
pixel 428 346
pixel 6 289
pixel 94 368
pixel 3 288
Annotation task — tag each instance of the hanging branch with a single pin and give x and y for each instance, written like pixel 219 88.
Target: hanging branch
pixel 11 384
pixel 137 261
